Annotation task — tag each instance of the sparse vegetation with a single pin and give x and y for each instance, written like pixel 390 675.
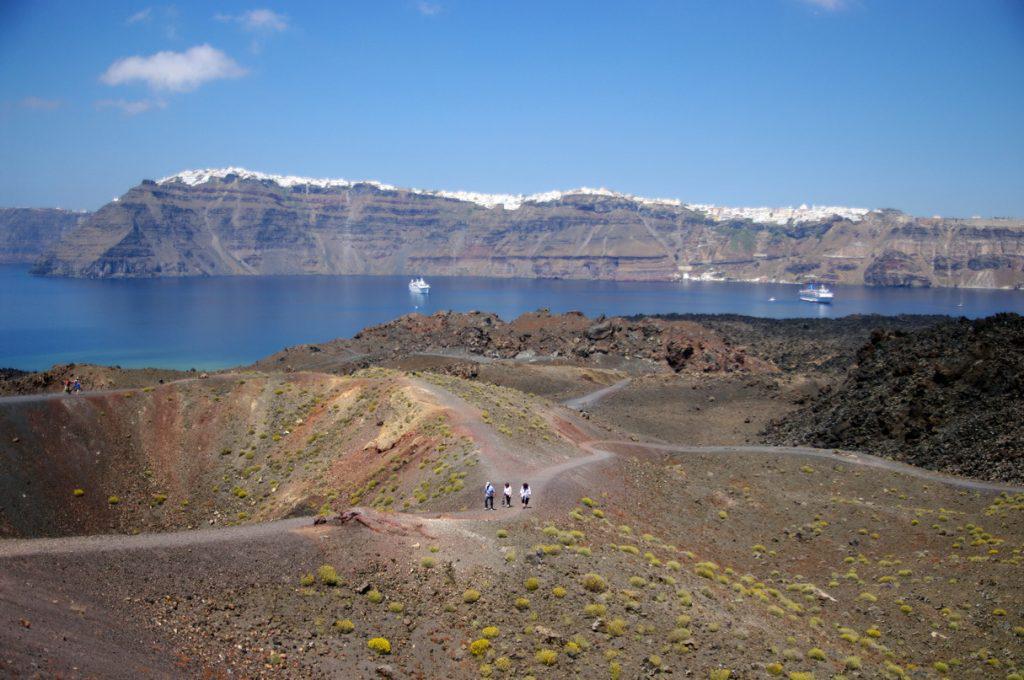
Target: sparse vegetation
pixel 547 657
pixel 328 576
pixel 594 583
pixel 379 645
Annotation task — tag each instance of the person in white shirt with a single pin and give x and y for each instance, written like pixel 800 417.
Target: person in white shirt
pixel 524 494
pixel 507 503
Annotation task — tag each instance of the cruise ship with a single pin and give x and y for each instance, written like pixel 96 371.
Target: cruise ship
pixel 820 293
pixel 419 286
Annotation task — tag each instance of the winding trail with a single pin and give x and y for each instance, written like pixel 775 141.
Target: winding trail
pixel 20 547
pixel 848 457
pixel 588 400
pixel 85 394
pixel 599 452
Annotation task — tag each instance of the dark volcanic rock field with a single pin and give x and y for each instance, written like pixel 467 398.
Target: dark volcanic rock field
pixel 948 397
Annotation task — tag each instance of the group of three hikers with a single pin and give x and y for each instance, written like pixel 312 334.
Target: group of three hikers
pixel 524 496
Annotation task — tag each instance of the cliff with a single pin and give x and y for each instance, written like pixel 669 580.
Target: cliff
pixel 27 233
pixel 235 222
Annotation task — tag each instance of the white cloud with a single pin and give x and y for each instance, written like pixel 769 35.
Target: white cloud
pixel 174 71
pixel 258 21
pixel 428 8
pixel 828 5
pixel 39 103
pixel 143 15
pixel 131 107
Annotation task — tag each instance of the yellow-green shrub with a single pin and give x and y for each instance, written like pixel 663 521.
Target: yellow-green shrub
pixel 615 627
pixel 379 645
pixel 328 575
pixel 548 657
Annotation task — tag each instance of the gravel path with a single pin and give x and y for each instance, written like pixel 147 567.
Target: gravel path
pixel 19 547
pixel 849 457
pixel 598 454
pixel 588 400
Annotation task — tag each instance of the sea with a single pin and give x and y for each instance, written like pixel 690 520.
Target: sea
pixel 219 322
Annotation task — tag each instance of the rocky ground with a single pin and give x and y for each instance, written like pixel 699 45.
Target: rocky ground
pixel 948 397
pixel 650 343
pixel 92 377
pixel 661 539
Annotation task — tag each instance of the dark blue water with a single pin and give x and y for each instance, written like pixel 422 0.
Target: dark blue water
pixel 210 323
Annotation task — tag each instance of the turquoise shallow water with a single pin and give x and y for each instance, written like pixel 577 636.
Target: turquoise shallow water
pixel 217 322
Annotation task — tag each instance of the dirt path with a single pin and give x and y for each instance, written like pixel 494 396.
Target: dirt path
pixel 84 394
pixel 588 400
pixel 598 453
pixel 849 457
pixel 20 547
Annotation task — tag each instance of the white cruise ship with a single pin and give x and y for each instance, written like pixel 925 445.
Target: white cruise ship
pixel 820 293
pixel 419 286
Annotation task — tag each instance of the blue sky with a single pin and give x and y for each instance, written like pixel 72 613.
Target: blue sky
pixel 913 105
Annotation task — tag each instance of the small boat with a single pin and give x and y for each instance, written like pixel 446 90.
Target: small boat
pixel 419 286
pixel 771 299
pixel 820 293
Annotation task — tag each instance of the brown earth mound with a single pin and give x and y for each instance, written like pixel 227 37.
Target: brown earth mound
pixel 91 376
pixel 950 397
pixel 633 560
pixel 677 344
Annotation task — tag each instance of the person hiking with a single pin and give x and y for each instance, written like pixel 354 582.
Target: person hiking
pixel 77 386
pixel 489 496
pixel 524 494
pixel 507 503
pixel 67 386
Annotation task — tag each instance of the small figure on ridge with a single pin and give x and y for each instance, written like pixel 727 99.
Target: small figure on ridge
pixel 489 496
pixel 524 494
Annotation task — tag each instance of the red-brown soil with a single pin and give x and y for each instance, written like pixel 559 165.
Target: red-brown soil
pixel 756 560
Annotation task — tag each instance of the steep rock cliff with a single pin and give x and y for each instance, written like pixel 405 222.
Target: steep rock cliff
pixel 26 233
pixel 239 223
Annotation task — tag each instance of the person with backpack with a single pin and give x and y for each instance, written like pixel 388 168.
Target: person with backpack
pixel 489 496
pixel 524 495
pixel 507 502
